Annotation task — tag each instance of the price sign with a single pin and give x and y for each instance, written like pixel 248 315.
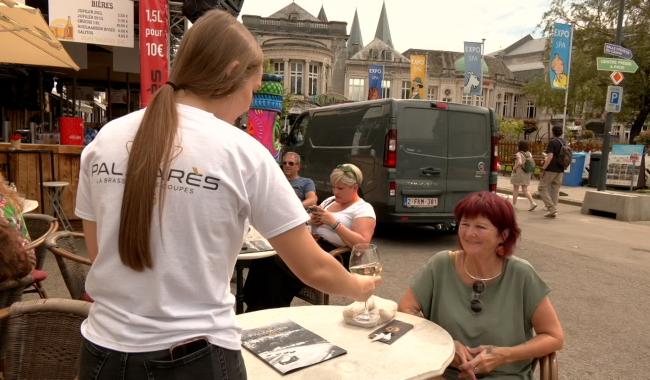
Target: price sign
pixel 154 47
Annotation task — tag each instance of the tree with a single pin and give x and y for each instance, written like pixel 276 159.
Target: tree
pixel 594 24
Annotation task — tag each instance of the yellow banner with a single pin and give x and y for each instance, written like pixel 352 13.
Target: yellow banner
pixel 418 76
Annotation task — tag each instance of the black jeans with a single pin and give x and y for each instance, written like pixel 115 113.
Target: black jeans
pixel 208 362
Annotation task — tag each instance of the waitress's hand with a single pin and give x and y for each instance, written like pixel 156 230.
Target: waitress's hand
pixel 366 286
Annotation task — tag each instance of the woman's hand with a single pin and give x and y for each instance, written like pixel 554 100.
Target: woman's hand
pixel 484 359
pixel 463 356
pixel 323 216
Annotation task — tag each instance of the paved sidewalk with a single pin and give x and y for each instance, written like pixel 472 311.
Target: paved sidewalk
pixel 573 195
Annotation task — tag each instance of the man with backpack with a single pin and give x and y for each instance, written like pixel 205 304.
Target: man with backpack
pixel 558 158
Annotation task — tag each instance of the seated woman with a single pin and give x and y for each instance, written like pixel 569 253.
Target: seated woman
pixel 493 304
pixel 343 219
pixel 16 261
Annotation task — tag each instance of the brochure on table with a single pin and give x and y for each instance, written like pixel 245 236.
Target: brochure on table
pixel 286 346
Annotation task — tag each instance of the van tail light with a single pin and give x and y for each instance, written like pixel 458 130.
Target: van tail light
pixel 494 164
pixel 392 189
pixel 390 149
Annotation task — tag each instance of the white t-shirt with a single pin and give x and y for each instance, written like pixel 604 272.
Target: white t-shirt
pixel 359 209
pixel 221 179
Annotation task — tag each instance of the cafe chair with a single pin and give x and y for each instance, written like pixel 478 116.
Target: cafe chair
pixel 43 338
pixel 39 226
pixel 69 249
pixel 548 367
pixel 316 297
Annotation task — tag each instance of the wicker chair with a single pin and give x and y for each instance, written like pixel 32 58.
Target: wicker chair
pixel 316 297
pixel 39 226
pixel 548 367
pixel 70 253
pixel 43 338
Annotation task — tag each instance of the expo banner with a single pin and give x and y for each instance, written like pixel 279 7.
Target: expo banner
pixel 473 84
pixel 418 76
pixel 105 22
pixel 375 77
pixel 561 56
pixel 154 47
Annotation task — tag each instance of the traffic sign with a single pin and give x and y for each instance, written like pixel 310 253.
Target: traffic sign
pixel 617 77
pixel 614 101
pixel 618 51
pixel 616 64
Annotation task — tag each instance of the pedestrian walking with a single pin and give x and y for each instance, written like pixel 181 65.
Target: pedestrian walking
pixel 549 184
pixel 521 174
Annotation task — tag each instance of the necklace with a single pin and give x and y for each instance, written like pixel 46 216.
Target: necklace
pixel 475 278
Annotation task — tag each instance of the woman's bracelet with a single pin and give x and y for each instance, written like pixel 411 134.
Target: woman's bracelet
pixel 335 226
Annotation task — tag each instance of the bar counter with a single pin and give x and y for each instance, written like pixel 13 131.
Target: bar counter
pixel 33 164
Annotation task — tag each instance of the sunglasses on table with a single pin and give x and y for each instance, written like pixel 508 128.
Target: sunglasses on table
pixel 475 304
pixel 289 163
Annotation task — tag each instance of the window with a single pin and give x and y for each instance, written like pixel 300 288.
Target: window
pixel 447 99
pixel 373 54
pixel 278 68
pixel 506 100
pixel 296 77
pixel 406 89
pixel 467 99
pixel 531 110
pixel 387 55
pixel 385 89
pixel 355 89
pixel 498 109
pixel 432 93
pixel 515 104
pixel 313 79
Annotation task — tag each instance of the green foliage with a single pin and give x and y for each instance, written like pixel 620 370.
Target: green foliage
pixel 511 129
pixel 595 23
pixel 643 138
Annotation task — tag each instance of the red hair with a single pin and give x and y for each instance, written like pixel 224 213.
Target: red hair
pixel 497 210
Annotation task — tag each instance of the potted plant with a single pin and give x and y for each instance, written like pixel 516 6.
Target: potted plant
pixel 15 140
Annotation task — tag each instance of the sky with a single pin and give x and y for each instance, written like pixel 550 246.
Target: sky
pixel 428 24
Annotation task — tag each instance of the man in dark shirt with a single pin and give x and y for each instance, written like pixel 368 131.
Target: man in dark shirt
pixel 549 184
pixel 304 187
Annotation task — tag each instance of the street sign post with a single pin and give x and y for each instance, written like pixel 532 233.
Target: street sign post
pixel 617 77
pixel 618 51
pixel 616 64
pixel 614 101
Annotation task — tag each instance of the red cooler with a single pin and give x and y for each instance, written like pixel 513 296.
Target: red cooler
pixel 72 130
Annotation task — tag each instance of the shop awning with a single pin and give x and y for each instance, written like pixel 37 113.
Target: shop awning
pixel 26 38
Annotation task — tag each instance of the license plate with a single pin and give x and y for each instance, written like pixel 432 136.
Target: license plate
pixel 420 202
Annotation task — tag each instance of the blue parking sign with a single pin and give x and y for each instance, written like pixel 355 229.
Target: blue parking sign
pixel 614 100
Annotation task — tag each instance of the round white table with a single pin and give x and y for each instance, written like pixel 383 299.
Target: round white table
pixel 243 261
pixel 422 353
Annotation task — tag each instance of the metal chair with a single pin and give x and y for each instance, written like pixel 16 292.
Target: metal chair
pixel 39 226
pixel 43 338
pixel 71 257
pixel 316 297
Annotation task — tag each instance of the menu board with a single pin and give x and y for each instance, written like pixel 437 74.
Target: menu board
pixel 624 165
pixel 101 22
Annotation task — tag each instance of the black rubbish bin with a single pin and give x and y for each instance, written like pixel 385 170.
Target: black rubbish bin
pixel 594 169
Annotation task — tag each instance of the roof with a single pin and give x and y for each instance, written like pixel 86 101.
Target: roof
pixel 321 15
pixel 295 12
pixel 526 66
pixel 378 45
pixel 440 62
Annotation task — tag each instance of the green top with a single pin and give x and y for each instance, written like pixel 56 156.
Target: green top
pixel 508 307
pixel 13 216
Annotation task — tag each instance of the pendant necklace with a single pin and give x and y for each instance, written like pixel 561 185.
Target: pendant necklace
pixel 475 278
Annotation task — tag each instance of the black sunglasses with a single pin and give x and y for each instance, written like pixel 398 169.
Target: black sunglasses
pixel 475 304
pixel 290 163
pixel 347 169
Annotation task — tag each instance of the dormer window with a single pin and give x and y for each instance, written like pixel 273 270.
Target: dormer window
pixel 373 54
pixel 293 16
pixel 387 55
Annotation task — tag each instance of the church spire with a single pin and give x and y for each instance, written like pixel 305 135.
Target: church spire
pixel 355 43
pixel 383 30
pixel 321 15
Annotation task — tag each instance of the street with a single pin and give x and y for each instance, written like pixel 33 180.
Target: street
pixel 596 267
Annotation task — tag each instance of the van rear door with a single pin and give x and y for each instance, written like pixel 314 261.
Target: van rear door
pixel 469 152
pixel 421 170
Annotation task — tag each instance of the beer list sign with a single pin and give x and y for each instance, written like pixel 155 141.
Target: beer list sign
pixel 101 22
pixel 154 47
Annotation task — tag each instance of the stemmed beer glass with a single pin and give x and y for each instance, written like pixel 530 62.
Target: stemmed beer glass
pixel 364 260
